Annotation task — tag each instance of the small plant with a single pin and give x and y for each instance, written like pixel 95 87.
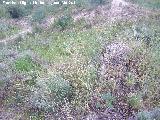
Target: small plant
pixel 108 98
pixel 64 22
pixel 37 29
pixel 25 64
pixel 51 93
pixel 130 79
pixel 60 88
pixel 98 2
pixel 39 14
pixel 7 30
pixel 134 101
pixel 149 115
pixel 143 115
pixel 105 100
pixel 4 27
pixel 3 12
pixel 16 11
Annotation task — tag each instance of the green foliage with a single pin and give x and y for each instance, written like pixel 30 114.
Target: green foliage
pixel 4 27
pixel 145 115
pixel 98 2
pixel 134 101
pixel 31 82
pixel 39 14
pixel 37 29
pixel 155 4
pixel 2 83
pixel 90 4
pixel 7 30
pixel 70 53
pixel 60 88
pixel 25 64
pixel 51 93
pixel 39 115
pixel 108 98
pixel 16 11
pixel 3 12
pixel 153 114
pixel 64 22
pixel 83 3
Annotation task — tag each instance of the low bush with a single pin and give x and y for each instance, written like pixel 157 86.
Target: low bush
pixel 3 12
pixel 51 92
pixel 7 30
pixel 60 88
pixel 64 22
pixel 16 11
pixel 153 114
pixel 98 2
pixel 39 14
pixel 155 4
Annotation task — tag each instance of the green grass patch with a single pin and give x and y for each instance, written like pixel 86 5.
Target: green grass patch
pixel 63 45
pixel 26 64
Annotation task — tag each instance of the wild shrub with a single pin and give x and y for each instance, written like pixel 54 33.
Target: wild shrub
pixel 89 4
pixel 134 101
pixel 51 92
pixel 7 29
pixel 83 3
pixel 64 22
pixel 4 27
pixel 37 29
pixel 153 114
pixel 144 115
pixel 39 14
pixel 98 2
pixel 59 87
pixel 16 11
pixel 155 4
pixel 3 12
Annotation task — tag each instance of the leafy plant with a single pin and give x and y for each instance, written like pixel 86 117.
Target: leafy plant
pixel 145 115
pixel 108 98
pixel 153 114
pixel 134 101
pixel 6 30
pixel 16 11
pixel 51 92
pixel 98 2
pixel 64 22
pixel 25 64
pixel 3 12
pixel 60 88
pixel 39 14
pixel 154 4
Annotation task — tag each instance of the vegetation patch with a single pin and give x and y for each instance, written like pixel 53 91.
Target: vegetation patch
pixel 154 4
pixel 39 14
pixel 7 30
pixel 25 64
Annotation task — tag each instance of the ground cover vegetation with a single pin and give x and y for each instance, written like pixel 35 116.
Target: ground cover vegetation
pixel 77 70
